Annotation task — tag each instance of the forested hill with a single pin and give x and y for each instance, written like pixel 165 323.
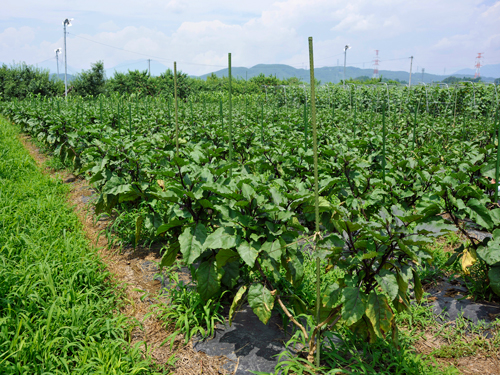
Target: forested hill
pixel 326 74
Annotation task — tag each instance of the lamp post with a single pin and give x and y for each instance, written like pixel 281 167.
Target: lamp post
pixel 66 22
pixel 57 51
pixel 347 46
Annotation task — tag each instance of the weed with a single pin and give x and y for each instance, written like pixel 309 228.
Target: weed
pixel 186 311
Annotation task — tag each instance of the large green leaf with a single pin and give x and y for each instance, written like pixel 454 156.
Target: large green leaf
pixel 380 313
pixel 388 282
pixel 409 252
pixel 169 257
pixel 224 256
pixel 222 238
pixel 417 286
pixel 479 213
pixel 171 224
pixel 192 242
pixel 330 295
pixel 208 279
pixel 273 249
pixel 248 252
pixel 231 274
pixel 294 268
pixel 363 328
pixel 248 192
pixel 354 305
pixel 494 276
pixel 277 197
pixel 491 253
pixel 261 301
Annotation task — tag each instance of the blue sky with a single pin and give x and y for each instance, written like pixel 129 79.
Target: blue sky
pixel 443 35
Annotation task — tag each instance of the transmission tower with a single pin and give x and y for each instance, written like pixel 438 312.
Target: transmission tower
pixel 478 64
pixel 375 64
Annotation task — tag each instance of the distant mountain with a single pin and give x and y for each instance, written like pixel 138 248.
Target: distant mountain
pixel 327 74
pixel 282 71
pixel 54 76
pixel 492 70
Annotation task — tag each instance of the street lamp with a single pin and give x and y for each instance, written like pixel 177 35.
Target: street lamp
pixel 66 22
pixel 57 51
pixel 347 46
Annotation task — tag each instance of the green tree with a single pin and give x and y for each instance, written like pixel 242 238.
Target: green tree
pixel 90 82
pixel 21 80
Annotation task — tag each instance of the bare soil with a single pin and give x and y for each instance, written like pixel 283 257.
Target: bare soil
pixel 484 361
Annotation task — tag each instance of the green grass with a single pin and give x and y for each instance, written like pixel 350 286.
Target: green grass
pixel 58 311
pixel 185 312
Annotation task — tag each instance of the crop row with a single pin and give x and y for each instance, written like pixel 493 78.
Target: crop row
pixel 238 211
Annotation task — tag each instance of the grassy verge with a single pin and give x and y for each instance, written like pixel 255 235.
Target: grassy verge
pixel 58 312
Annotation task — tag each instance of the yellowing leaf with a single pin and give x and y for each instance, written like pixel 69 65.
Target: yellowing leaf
pixel 261 301
pixel 236 302
pixel 468 259
pixel 380 313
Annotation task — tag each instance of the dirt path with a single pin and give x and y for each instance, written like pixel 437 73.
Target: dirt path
pixel 129 276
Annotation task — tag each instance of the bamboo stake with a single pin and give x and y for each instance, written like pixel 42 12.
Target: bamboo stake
pixel 498 156
pixel 230 117
pixel 316 193
pixel 176 112
pixel 221 114
pixel 130 120
pixel 262 123
pixel 383 141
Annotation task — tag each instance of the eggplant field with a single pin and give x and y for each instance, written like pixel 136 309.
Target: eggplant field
pixel 225 184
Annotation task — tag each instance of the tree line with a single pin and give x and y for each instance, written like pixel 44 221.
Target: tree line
pixel 22 80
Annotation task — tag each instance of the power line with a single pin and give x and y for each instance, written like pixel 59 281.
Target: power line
pixel 144 54
pixel 45 60
pixel 366 62
pixel 329 57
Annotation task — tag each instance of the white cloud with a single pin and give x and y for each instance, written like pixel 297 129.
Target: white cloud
pixel 12 38
pixel 439 34
pixel 109 26
pixel 176 6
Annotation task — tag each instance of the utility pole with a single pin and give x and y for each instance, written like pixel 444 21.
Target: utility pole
pixel 65 64
pixel 345 58
pixel 66 22
pixel 57 51
pixel 411 63
pixel 149 67
pixel 423 71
